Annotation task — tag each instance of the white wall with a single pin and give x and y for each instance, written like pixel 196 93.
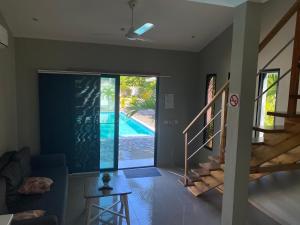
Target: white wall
pixel 272 12
pixel 8 108
pixel 215 58
pixel 33 54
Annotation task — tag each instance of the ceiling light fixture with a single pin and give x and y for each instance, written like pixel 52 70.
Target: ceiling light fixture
pixel 143 29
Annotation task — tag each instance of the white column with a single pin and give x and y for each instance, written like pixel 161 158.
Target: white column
pixel 244 58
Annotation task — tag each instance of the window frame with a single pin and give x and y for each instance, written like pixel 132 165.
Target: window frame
pixel 262 76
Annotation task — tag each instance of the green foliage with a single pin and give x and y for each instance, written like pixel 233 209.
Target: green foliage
pixel 270 99
pixel 137 93
pixel 108 92
pixel 140 104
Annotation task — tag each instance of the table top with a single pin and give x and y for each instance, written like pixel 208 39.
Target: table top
pixel 118 183
pixel 5 219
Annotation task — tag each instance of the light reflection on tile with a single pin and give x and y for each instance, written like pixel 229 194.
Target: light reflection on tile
pixel 158 201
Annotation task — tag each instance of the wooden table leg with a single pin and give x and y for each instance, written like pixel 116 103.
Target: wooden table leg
pixel 124 200
pixel 121 210
pixel 88 206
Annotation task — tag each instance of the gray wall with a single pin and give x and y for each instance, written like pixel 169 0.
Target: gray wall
pixel 215 57
pixel 33 54
pixel 8 109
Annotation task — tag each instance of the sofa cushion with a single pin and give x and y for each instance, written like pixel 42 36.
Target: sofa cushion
pixel 13 176
pixel 30 214
pixel 23 157
pixel 5 159
pixel 54 201
pixel 44 220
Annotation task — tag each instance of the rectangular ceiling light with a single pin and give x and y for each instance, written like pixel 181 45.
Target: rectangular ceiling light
pixel 143 29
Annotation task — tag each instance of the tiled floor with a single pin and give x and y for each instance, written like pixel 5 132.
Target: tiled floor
pixel 161 201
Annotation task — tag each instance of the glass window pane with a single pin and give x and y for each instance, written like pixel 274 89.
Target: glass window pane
pixel 107 123
pixel 210 93
pixel 268 103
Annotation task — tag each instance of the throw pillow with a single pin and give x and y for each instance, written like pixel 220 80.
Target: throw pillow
pixel 23 157
pixel 13 176
pixel 31 214
pixel 35 185
pixel 5 159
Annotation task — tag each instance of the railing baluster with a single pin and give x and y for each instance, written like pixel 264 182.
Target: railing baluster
pixel 200 132
pixel 186 159
pixel 223 125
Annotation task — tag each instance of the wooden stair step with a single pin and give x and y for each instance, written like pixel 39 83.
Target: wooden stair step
pixel 269 129
pixel 267 153
pixel 200 188
pixel 292 156
pixel 193 177
pixel 200 172
pixel 196 191
pixel 275 168
pixel 258 141
pixel 283 114
pixel 214 158
pixel 182 181
pixel 212 165
pixel 218 174
pixel 211 182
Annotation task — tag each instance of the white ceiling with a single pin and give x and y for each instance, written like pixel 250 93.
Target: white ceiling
pixel 100 21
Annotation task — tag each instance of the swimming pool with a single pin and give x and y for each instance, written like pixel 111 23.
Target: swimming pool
pixel 128 127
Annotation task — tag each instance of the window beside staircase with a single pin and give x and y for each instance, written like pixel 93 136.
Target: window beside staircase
pixel 268 101
pixel 210 92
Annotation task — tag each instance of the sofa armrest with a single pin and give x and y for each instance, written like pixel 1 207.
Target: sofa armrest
pixel 44 220
pixel 48 161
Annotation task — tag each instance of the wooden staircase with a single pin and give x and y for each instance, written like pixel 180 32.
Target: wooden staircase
pixel 277 150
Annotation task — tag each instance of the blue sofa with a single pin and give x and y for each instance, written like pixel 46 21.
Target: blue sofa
pixel 53 202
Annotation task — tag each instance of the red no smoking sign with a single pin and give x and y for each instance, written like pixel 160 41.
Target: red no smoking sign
pixel 234 100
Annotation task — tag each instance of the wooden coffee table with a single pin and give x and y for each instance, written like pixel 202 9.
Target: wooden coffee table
pixel 91 192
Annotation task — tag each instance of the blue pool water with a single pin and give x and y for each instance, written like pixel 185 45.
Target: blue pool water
pixel 128 127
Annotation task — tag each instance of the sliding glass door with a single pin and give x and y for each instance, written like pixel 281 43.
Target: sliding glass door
pixel 69 119
pixel 97 126
pixel 109 119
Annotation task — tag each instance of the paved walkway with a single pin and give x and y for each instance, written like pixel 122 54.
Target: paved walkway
pixel 134 151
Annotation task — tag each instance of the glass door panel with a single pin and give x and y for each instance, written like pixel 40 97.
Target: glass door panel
pixel 108 122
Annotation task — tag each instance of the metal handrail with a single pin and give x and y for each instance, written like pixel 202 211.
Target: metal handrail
pixel 202 146
pixel 276 82
pixel 204 110
pixel 204 127
pixel 275 56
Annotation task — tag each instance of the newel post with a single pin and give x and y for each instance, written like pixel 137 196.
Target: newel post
pixel 294 80
pixel 223 125
pixel 186 159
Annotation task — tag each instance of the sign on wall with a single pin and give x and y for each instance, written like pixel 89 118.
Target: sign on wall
pixel 234 100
